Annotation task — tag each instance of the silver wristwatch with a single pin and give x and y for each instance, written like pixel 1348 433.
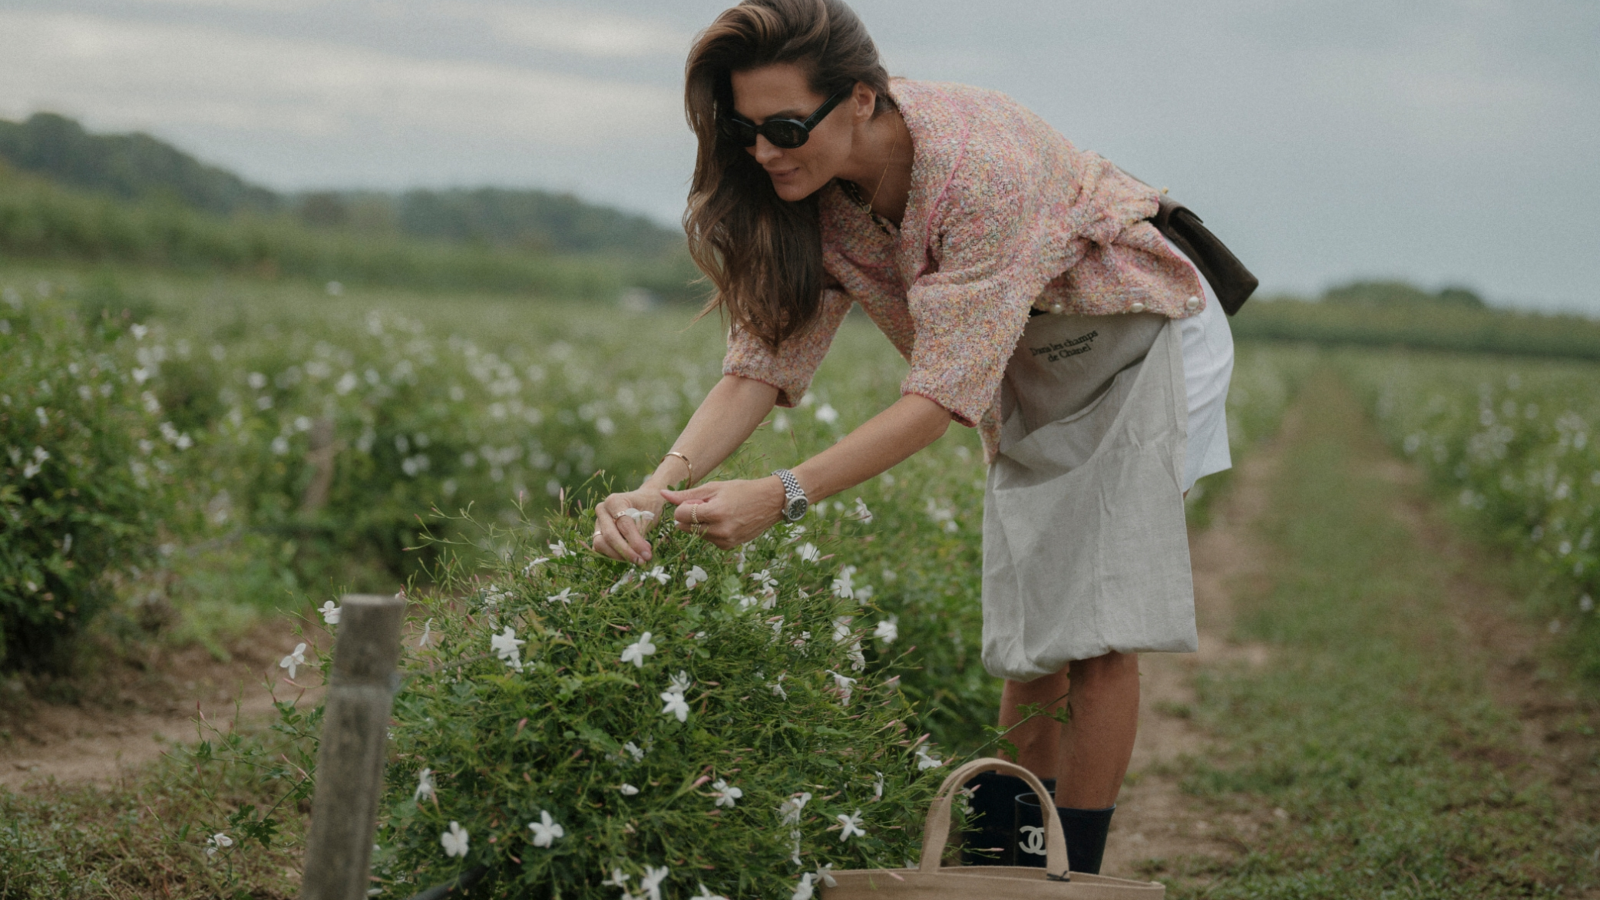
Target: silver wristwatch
pixel 794 499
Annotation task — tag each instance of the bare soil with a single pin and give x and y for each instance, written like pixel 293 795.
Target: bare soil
pixel 129 713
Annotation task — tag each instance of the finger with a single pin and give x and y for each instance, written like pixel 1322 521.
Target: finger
pixel 630 543
pixel 702 492
pixel 606 539
pixel 617 542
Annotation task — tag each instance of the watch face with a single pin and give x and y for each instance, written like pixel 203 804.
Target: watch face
pixel 795 508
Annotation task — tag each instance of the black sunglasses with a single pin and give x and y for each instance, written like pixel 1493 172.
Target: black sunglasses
pixel 785 133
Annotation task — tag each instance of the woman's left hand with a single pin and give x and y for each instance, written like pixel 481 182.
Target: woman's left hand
pixel 728 513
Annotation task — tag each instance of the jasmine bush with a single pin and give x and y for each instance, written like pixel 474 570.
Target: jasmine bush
pixel 719 724
pixel 85 460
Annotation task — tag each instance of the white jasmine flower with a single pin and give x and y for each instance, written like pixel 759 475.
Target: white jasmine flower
pixel 505 646
pixel 533 564
pixel 558 549
pixel 330 613
pixel 789 810
pixel 454 840
pixel 844 586
pixel 794 852
pixel 618 878
pixel 827 415
pixel 877 786
pixel 696 576
pixel 138 332
pixel 634 751
pixel 626 577
pixel 639 516
pixel 888 630
pixel 925 761
pixel 850 825
pixel 738 559
pixel 777 686
pixel 427 630
pixel 565 596
pixel 804 891
pixel 726 793
pixel 628 790
pixel 861 512
pixel 844 686
pixel 651 882
pixel 425 789
pixel 809 552
pixel 638 650
pixel 825 875
pixel 675 705
pixel 218 841
pixel 777 626
pixel 796 532
pixel 293 660
pixel 864 593
pixel 545 831
pixel 765 580
pixel 680 682
pixel 841 629
pixel 659 574
pixel 705 894
pixel 858 659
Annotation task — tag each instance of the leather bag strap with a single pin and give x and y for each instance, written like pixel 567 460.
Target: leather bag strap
pixel 936 832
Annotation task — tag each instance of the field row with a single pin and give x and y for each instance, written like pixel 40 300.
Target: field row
pixel 1513 441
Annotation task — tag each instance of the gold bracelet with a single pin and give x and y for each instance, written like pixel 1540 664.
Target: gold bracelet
pixel 686 463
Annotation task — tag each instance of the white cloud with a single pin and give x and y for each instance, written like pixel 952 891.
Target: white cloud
pixel 583 32
pixel 131 74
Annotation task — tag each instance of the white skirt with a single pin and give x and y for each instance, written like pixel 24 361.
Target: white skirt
pixel 1207 370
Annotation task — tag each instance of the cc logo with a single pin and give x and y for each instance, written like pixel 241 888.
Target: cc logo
pixel 1033 841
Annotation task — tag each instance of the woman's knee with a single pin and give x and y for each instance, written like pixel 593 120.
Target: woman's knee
pixel 1110 669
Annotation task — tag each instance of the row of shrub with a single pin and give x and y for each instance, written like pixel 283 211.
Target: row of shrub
pixel 43 220
pixel 1443 323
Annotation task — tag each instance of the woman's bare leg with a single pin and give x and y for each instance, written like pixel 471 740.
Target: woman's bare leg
pixel 1038 739
pixel 1094 748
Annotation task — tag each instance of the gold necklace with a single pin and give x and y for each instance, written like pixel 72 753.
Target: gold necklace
pixel 866 205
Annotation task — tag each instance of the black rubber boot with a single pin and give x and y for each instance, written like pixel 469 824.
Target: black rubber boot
pixel 987 842
pixel 1085 831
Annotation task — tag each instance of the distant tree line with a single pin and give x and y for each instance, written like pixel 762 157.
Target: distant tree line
pixel 143 168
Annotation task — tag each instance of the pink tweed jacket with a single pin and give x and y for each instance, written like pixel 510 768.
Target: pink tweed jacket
pixel 1004 215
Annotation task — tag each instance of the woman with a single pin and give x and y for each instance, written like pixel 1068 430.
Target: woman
pixel 955 218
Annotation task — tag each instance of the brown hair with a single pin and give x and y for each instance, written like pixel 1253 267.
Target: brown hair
pixel 763 254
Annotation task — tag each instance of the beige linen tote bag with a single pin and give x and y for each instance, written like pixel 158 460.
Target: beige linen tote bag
pixel 932 881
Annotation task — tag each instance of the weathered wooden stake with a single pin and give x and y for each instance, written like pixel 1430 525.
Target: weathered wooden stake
pixel 344 811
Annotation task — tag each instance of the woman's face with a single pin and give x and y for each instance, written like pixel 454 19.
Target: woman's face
pixel 780 91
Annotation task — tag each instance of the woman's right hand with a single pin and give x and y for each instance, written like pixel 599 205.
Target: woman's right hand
pixel 622 535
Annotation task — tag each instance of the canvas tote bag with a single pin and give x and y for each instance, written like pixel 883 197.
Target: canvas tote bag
pixel 932 881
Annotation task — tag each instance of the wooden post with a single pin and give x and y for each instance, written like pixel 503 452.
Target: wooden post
pixel 344 811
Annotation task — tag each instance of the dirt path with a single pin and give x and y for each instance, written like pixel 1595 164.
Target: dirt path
pixel 1157 822
pixel 134 710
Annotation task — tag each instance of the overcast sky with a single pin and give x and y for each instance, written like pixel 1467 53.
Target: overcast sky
pixel 1438 141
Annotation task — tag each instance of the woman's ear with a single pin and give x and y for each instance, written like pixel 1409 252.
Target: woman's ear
pixel 866 102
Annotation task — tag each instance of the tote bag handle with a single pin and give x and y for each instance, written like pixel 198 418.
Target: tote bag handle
pixel 936 832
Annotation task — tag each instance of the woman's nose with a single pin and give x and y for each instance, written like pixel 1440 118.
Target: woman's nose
pixel 764 151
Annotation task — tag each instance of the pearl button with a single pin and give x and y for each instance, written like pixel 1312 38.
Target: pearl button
pixel 1136 308
pixel 1192 303
pixel 1056 308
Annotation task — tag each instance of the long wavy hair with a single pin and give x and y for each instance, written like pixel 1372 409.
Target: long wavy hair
pixel 762 253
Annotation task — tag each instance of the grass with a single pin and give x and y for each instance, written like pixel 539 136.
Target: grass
pixel 1371 727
